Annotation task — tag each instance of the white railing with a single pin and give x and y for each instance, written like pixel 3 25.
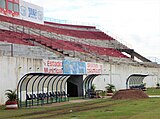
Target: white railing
pixel 49 19
pixel 154 59
pixel 114 36
pixel 89 24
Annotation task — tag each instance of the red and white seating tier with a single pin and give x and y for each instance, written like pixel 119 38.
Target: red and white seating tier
pixel 21 38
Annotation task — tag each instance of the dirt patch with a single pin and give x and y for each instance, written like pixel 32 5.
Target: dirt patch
pixel 67 102
pixel 85 106
pixel 130 94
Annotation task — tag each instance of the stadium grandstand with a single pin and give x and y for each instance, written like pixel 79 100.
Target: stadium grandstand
pixel 74 56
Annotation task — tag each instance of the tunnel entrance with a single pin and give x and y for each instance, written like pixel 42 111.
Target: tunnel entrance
pixel 75 85
pixel 72 89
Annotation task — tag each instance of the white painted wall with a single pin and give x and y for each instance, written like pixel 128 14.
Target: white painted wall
pixel 119 73
pixel 13 68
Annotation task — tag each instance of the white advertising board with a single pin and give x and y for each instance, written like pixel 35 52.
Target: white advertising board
pixel 93 68
pixel 52 66
pixel 31 12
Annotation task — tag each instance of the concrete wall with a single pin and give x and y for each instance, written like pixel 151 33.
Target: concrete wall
pixel 118 73
pixel 13 68
pixel 8 49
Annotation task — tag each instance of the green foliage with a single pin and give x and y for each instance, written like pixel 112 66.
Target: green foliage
pixel 110 87
pixel 11 95
pixel 152 91
pixel 103 93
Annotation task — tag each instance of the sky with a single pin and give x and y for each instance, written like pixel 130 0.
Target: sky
pixel 136 23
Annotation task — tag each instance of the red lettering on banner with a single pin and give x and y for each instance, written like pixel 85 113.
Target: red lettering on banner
pixel 53 71
pixel 94 71
pixel 59 71
pixel 52 66
pixel 94 68
pixel 45 70
pixel 54 63
pixel 92 65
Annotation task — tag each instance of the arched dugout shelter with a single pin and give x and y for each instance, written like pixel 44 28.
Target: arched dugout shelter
pixel 40 88
pixel 135 80
pixel 87 83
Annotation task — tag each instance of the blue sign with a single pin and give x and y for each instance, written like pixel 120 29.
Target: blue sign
pixel 81 67
pixel 32 13
pixel 74 67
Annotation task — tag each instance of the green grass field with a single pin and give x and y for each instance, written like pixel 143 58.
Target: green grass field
pixel 95 109
pixel 153 91
pixel 92 109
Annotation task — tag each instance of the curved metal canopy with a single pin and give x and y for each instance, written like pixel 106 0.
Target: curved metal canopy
pixel 135 79
pixel 87 82
pixel 36 83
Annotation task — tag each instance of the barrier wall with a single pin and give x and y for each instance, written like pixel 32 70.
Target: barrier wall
pixel 118 73
pixel 13 68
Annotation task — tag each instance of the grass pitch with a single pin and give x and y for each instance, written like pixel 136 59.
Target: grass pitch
pixel 95 109
pixel 92 109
